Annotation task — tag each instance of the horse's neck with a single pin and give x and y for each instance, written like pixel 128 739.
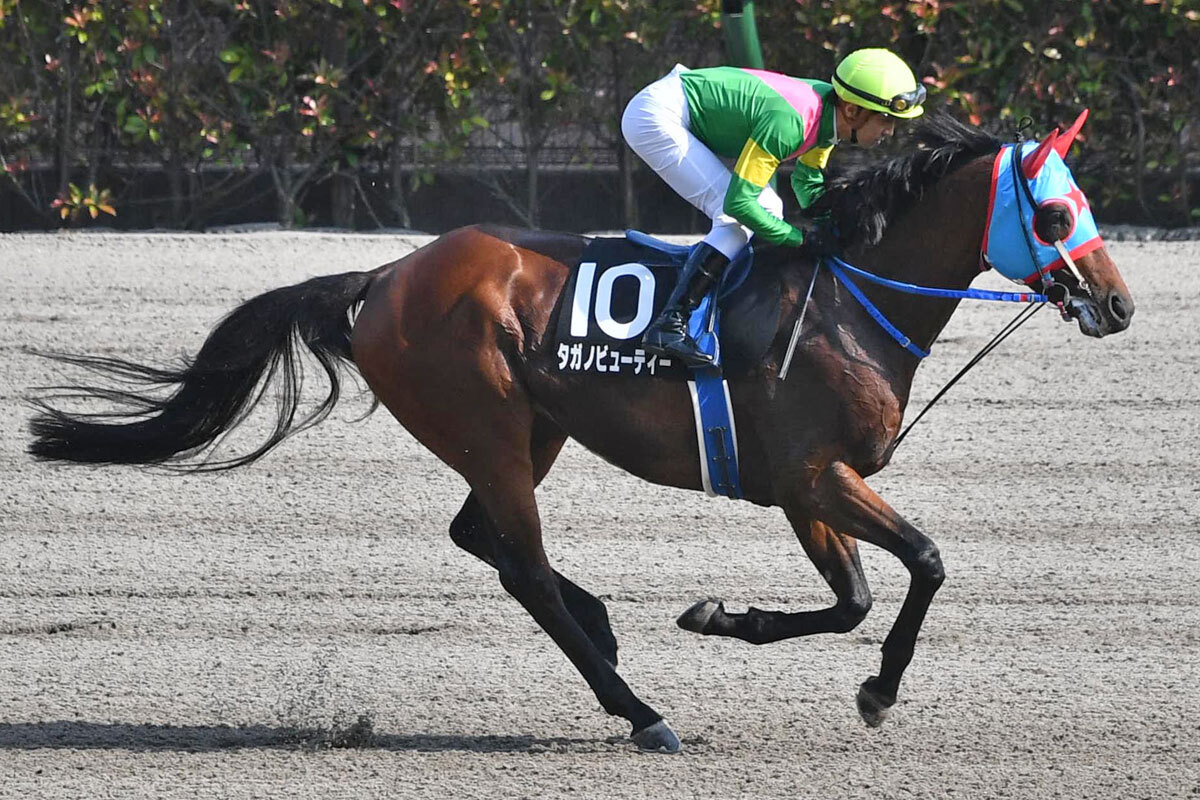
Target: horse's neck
pixel 935 244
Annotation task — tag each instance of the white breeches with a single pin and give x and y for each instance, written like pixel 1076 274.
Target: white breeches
pixel 656 124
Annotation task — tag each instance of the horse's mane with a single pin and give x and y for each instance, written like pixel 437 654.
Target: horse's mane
pixel 864 201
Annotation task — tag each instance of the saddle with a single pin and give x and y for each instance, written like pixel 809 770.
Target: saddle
pixel 620 285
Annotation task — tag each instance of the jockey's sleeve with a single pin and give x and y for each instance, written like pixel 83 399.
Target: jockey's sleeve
pixel 759 159
pixel 808 179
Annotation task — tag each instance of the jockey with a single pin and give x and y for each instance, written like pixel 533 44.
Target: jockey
pixel 684 122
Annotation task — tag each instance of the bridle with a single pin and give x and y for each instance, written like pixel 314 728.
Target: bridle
pixel 1052 291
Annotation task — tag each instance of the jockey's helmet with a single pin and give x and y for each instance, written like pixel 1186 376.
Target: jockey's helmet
pixel 879 79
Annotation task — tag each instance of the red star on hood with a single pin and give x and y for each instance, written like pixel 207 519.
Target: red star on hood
pixel 1075 196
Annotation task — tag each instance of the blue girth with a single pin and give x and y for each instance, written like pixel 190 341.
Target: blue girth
pixel 716 435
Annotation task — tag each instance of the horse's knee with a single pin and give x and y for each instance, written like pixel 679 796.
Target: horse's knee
pixel 926 565
pixel 851 612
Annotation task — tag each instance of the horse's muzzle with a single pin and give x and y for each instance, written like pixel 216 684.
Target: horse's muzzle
pixel 1099 317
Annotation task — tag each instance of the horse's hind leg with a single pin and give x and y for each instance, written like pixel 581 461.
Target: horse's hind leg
pixel 488 438
pixel 835 557
pixel 504 485
pixel 473 531
pixel 437 347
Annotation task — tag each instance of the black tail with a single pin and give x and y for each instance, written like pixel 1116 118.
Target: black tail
pixel 213 393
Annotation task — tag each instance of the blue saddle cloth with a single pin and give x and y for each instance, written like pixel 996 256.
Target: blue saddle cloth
pixel 704 326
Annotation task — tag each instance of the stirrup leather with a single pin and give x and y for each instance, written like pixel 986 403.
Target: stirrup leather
pixel 667 335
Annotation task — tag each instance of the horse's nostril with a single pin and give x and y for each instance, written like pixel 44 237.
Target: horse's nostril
pixel 1117 305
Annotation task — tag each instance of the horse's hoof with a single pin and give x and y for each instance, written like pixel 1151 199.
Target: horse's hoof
pixel 696 618
pixel 871 707
pixel 657 738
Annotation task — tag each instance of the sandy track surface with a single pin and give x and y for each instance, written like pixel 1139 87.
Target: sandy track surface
pixel 305 628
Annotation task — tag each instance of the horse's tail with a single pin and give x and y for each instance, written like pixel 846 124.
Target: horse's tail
pixel 166 416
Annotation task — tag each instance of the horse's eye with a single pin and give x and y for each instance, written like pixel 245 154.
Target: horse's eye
pixel 1053 221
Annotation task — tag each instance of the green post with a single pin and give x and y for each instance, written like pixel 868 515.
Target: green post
pixel 742 47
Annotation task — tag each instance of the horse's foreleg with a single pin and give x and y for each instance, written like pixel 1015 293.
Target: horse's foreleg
pixel 845 502
pixel 835 557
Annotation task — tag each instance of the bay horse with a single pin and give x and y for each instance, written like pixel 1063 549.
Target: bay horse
pixel 455 340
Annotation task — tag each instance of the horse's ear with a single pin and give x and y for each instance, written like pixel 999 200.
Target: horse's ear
pixel 1063 143
pixel 1033 162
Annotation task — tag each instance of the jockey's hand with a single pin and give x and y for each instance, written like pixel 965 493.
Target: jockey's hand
pixel 820 237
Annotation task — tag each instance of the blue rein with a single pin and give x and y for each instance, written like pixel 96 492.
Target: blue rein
pixel 840 268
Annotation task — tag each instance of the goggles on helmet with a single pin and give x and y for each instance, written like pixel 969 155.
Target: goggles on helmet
pixel 898 104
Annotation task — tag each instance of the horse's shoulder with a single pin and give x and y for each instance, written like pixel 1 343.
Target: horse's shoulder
pixel 841 363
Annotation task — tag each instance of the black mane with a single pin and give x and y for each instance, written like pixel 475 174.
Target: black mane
pixel 863 202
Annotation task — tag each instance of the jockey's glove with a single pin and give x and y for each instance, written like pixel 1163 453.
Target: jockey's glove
pixel 820 236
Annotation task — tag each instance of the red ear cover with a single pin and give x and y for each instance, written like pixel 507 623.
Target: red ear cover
pixel 1033 162
pixel 1063 143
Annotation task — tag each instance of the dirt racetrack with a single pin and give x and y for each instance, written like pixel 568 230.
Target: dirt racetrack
pixel 304 627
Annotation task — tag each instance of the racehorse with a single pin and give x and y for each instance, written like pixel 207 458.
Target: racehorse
pixel 454 339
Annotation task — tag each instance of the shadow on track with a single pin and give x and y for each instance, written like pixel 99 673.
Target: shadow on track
pixel 66 735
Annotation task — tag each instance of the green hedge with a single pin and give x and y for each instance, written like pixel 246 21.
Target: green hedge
pixel 1134 63
pixel 219 94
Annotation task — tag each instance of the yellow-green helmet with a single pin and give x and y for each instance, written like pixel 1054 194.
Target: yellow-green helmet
pixel 879 79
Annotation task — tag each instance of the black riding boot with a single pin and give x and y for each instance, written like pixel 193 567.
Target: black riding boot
pixel 667 335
